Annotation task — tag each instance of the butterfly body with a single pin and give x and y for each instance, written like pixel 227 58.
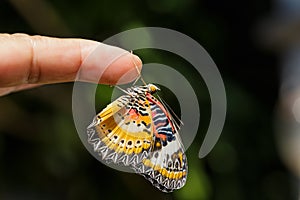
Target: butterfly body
pixel 136 130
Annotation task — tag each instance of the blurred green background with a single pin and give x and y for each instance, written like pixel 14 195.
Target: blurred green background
pixel 42 157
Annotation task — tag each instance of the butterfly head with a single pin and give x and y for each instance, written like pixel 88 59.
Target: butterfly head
pixel 152 88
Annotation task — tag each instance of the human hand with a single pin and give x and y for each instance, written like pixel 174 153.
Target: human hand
pixel 29 61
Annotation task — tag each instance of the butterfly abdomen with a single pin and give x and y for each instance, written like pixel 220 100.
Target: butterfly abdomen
pixel 161 122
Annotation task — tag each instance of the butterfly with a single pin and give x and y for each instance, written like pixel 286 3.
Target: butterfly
pixel 138 131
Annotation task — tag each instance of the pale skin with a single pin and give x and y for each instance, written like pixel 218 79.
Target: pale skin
pixel 30 61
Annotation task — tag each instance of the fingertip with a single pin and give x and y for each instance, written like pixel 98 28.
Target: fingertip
pixel 137 61
pixel 123 70
pixel 110 65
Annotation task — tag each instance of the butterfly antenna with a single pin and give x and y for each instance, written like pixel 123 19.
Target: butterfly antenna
pixel 170 109
pixel 126 92
pixel 138 71
pixel 171 113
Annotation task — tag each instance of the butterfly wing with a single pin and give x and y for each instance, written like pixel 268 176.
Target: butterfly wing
pixel 166 166
pixel 121 133
pixel 137 131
